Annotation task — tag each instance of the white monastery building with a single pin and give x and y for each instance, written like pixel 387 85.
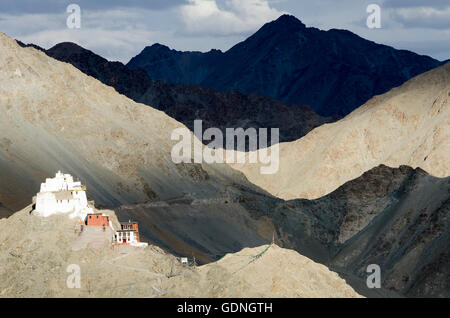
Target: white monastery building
pixel 63 195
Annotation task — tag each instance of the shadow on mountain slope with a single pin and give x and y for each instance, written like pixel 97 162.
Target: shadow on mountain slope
pixel 186 103
pixel 394 217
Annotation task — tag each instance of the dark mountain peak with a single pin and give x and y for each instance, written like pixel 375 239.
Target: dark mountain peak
pixel 281 32
pixel 70 48
pixel 156 47
pixel 277 32
pixel 287 20
pixel 160 46
pixel 215 51
pixel 154 51
pixel 285 23
pixel 288 61
pixel 69 45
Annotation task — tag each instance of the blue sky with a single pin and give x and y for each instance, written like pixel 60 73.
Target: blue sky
pixel 118 30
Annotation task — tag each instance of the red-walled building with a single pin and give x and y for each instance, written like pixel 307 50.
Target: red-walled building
pixel 97 219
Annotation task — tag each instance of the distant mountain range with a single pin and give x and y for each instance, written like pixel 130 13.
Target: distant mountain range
pixel 186 103
pixel 333 71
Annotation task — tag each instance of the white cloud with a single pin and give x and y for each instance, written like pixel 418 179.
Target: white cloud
pixel 110 44
pixel 24 23
pixel 205 17
pixel 200 25
pixel 114 34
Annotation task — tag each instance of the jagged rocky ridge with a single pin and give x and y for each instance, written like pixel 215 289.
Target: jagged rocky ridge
pixel 333 71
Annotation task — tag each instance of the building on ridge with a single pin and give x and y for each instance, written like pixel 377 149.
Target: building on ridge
pixel 62 194
pixel 98 219
pixel 128 235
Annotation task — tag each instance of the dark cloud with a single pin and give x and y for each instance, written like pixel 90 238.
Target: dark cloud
pixel 53 6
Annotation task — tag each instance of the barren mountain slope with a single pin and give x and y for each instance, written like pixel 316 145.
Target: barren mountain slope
pixel 185 103
pixel 55 117
pixel 265 271
pixel 396 218
pixel 410 125
pixel 35 253
pixel 376 218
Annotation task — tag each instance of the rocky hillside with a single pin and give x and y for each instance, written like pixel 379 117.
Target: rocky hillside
pixel 396 218
pixel 185 103
pixel 387 216
pixel 409 125
pixel 333 71
pixel 58 118
pixel 404 215
pixel 36 252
